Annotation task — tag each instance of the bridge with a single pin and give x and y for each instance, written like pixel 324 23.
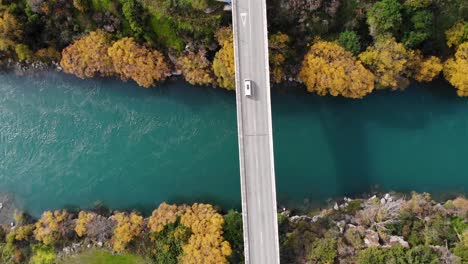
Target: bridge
pixel 257 170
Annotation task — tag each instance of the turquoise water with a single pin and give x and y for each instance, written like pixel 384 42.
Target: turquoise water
pixel 69 142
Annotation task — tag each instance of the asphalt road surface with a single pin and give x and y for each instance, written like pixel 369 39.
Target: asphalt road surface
pixel 255 132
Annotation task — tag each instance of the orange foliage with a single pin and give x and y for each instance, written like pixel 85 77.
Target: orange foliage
pixel 87 57
pixel 196 68
pixel 389 61
pixel 128 228
pixel 84 218
pixel 456 70
pixel 164 215
pixel 134 61
pixel 206 245
pixel 51 227
pixel 425 69
pixel 278 49
pixel 330 69
pixel 223 63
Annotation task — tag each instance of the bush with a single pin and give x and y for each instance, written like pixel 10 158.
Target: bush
pixel 422 255
pixel 23 52
pixel 233 234
pixel 384 17
pixel 323 251
pixel 350 41
pixel 43 255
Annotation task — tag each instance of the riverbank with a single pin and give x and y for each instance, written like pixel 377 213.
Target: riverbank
pixel 379 229
pixel 103 38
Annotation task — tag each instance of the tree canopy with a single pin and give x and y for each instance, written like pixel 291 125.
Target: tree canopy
pixel 134 61
pixel 329 69
pixel 223 63
pixel 389 61
pixel 87 57
pixel 456 70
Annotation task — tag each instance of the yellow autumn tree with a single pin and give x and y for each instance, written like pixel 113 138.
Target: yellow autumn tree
pixel 10 32
pixel 48 54
pixel 51 227
pixel 196 68
pixel 10 28
pixel 330 69
pixel 84 218
pixel 223 63
pixel 87 57
pixel 278 45
pixel 456 70
pixel 457 34
pixel 424 69
pixel 164 215
pixel 389 61
pixel 129 226
pixel 134 61
pixel 206 245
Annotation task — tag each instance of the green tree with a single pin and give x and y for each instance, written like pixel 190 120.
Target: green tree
pixel 132 12
pixel 233 234
pixel 23 52
pixel 350 41
pixel 421 22
pixel 422 255
pixel 384 17
pixel 43 255
pixel 323 251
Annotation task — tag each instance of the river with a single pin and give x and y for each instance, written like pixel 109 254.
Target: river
pixel 70 142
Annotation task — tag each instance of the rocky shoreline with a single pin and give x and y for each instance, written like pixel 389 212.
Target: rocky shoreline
pixel 378 229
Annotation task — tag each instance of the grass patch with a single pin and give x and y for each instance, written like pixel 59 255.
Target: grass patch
pixel 103 257
pixel 163 28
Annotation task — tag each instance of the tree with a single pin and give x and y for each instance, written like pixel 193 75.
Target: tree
pixel 457 34
pixel 384 17
pixel 232 230
pixel 128 228
pixel 389 61
pixel 52 227
pixel 323 251
pixel 278 45
pixel 134 61
pixel 82 222
pixel 87 57
pixel 422 255
pixel 456 70
pixel 10 28
pixel 330 69
pixel 43 255
pixel 196 68
pixel 350 41
pixel 417 4
pixel 23 52
pixel 223 63
pixel 131 11
pixel 164 215
pixel 206 245
pixel 48 54
pixel 421 24
pixel 425 69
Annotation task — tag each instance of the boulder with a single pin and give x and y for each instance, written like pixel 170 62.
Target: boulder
pixel 398 240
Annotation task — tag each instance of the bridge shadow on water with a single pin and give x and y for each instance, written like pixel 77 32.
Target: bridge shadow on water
pixel 345 126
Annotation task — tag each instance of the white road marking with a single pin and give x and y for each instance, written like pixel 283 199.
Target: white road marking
pixel 243 18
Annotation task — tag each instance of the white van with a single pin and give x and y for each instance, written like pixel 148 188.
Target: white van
pixel 248 87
